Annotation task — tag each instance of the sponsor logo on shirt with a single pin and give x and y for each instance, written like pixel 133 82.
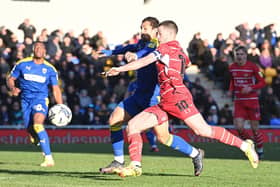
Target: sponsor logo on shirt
pixel 35 78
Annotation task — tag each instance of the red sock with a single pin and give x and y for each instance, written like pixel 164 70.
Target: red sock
pixel 243 134
pixel 135 147
pixel 258 137
pixel 224 136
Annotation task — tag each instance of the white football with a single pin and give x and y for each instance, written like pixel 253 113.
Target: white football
pixel 60 115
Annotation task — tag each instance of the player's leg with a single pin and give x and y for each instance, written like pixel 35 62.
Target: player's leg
pixel 154 100
pixel 200 127
pixel 179 144
pixel 116 120
pixel 38 126
pixel 39 113
pixel 239 125
pixel 254 116
pixel 139 123
pixel 152 139
pixel 258 138
pixel 28 123
pixel 33 136
pixel 240 114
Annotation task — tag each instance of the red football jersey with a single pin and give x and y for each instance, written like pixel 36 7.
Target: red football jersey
pixel 171 65
pixel 247 75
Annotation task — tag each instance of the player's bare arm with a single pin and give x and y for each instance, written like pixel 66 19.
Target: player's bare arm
pixel 11 85
pixel 137 64
pixel 57 94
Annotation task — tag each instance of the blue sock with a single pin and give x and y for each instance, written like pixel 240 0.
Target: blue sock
pixel 44 138
pixel 117 141
pixel 151 138
pixel 179 144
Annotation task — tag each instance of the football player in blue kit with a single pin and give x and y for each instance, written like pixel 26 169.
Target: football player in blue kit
pixel 34 75
pixel 146 93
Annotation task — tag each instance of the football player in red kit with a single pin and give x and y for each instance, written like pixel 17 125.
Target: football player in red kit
pixel 176 100
pixel 246 80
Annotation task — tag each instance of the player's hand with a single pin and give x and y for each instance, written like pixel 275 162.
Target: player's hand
pixel 15 91
pixel 129 56
pixel 111 72
pixel 246 90
pixel 104 52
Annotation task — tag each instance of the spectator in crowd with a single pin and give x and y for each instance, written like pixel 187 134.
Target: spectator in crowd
pixel 276 85
pixel 225 115
pixel 16 114
pixel 28 29
pixel 28 47
pixel 213 117
pixel 44 36
pixel 258 35
pixel 254 54
pixel 67 46
pixel 196 49
pixel 72 97
pixel 6 34
pixel 270 105
pixel 245 33
pixel 90 115
pixel 86 35
pixel 78 115
pixel 270 34
pixel 219 42
pixel 53 46
pixel 4 115
pixel 85 100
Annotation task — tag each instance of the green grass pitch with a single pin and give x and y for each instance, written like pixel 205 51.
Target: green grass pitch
pixel 78 164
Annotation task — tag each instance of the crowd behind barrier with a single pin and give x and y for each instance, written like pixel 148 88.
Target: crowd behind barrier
pixel 92 97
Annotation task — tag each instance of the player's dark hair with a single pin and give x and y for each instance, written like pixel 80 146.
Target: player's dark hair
pixel 170 24
pixel 154 21
pixel 39 42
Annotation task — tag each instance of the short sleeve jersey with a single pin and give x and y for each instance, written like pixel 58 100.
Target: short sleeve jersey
pixel 171 67
pixel 241 76
pixel 34 79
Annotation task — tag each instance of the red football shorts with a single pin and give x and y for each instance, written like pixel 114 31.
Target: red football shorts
pixel 247 109
pixel 180 106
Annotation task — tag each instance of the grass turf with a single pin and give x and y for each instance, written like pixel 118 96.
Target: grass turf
pixel 78 164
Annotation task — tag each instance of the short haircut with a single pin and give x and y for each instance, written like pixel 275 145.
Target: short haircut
pixel 39 42
pixel 170 24
pixel 154 21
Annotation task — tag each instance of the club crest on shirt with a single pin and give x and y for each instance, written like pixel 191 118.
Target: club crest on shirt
pixel 28 67
pixel 44 70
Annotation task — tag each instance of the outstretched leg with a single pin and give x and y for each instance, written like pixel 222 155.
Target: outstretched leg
pixel 200 127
